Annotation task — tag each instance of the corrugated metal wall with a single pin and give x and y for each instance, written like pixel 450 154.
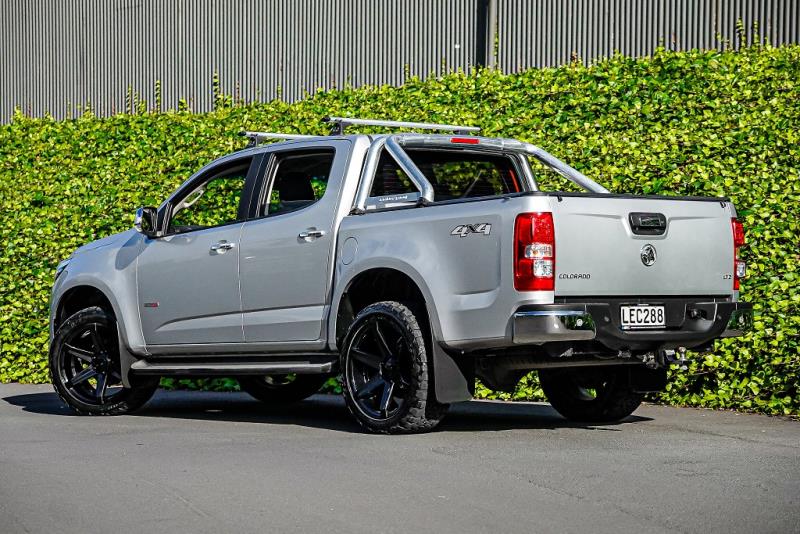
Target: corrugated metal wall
pixel 59 55
pixel 543 33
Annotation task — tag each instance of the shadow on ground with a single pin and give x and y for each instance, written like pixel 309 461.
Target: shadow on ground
pixel 322 411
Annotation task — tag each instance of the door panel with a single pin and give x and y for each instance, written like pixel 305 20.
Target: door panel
pixel 189 293
pixel 285 257
pixel 284 278
pixel 188 280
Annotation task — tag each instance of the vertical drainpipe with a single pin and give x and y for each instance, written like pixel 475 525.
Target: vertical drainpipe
pixel 485 33
pixel 481 23
pixel 491 33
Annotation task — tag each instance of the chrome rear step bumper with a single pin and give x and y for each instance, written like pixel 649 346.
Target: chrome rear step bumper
pixel 542 326
pixel 689 323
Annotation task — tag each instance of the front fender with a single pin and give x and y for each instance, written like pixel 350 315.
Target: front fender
pixel 112 271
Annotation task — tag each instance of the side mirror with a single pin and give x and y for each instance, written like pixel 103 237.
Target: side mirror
pixel 145 221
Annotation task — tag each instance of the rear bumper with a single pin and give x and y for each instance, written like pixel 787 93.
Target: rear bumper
pixel 689 324
pixel 553 323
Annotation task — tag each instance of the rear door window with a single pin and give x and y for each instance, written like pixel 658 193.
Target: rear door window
pixel 299 180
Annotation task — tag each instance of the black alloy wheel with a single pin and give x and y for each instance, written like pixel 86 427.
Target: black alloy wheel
pixel 85 366
pixel 385 370
pixel 89 371
pixel 379 368
pixel 590 394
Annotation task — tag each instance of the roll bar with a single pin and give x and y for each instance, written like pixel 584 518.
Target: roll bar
pixel 394 145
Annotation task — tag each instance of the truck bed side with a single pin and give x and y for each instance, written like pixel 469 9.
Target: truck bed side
pixel 467 278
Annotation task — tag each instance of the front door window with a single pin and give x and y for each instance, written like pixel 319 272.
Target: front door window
pixel 214 202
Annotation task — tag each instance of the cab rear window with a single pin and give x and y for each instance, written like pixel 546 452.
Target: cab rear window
pixel 453 175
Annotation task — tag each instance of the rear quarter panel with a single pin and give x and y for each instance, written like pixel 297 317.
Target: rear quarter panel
pixel 467 281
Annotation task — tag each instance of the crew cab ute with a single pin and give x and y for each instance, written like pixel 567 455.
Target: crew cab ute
pixel 408 263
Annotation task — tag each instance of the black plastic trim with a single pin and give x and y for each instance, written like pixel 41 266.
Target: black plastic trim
pixel 622 195
pixel 647 223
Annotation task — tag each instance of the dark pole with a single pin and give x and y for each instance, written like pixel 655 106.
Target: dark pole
pixel 481 32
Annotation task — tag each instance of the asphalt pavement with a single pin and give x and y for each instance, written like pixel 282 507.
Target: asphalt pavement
pixel 221 462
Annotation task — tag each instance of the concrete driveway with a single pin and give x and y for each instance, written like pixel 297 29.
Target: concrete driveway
pixel 208 462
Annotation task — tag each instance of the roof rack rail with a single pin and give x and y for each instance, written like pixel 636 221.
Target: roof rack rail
pixel 338 125
pixel 255 137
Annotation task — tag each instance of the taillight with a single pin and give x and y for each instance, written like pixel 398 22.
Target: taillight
pixel 534 252
pixel 739 266
pixel 465 140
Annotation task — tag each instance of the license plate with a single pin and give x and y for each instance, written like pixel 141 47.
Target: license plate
pixel 644 316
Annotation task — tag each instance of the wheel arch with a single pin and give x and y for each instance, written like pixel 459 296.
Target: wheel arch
pixel 77 298
pixel 82 293
pixel 453 375
pixel 374 284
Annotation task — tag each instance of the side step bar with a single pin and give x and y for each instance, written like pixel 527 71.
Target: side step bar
pixel 233 365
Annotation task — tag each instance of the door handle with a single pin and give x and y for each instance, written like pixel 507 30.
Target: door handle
pixel 222 246
pixel 308 234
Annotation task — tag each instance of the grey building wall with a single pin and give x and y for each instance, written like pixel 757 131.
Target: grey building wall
pixel 549 32
pixel 60 55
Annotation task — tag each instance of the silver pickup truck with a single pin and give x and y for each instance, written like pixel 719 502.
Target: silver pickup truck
pixel 410 264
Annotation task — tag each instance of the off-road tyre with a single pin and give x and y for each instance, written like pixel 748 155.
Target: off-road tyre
pixel 567 390
pixel 408 367
pixel 283 389
pixel 72 352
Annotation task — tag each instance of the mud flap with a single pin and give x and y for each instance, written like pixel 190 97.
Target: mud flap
pixel 453 378
pixel 126 359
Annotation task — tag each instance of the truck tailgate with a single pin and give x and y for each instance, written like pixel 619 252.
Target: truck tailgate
pixel 610 246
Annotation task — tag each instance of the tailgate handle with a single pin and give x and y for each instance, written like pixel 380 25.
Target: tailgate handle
pixel 647 223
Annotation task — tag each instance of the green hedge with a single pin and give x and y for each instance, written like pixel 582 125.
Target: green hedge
pixel 692 123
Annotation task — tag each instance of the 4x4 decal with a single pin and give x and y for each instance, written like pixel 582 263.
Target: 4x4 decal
pixel 463 230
